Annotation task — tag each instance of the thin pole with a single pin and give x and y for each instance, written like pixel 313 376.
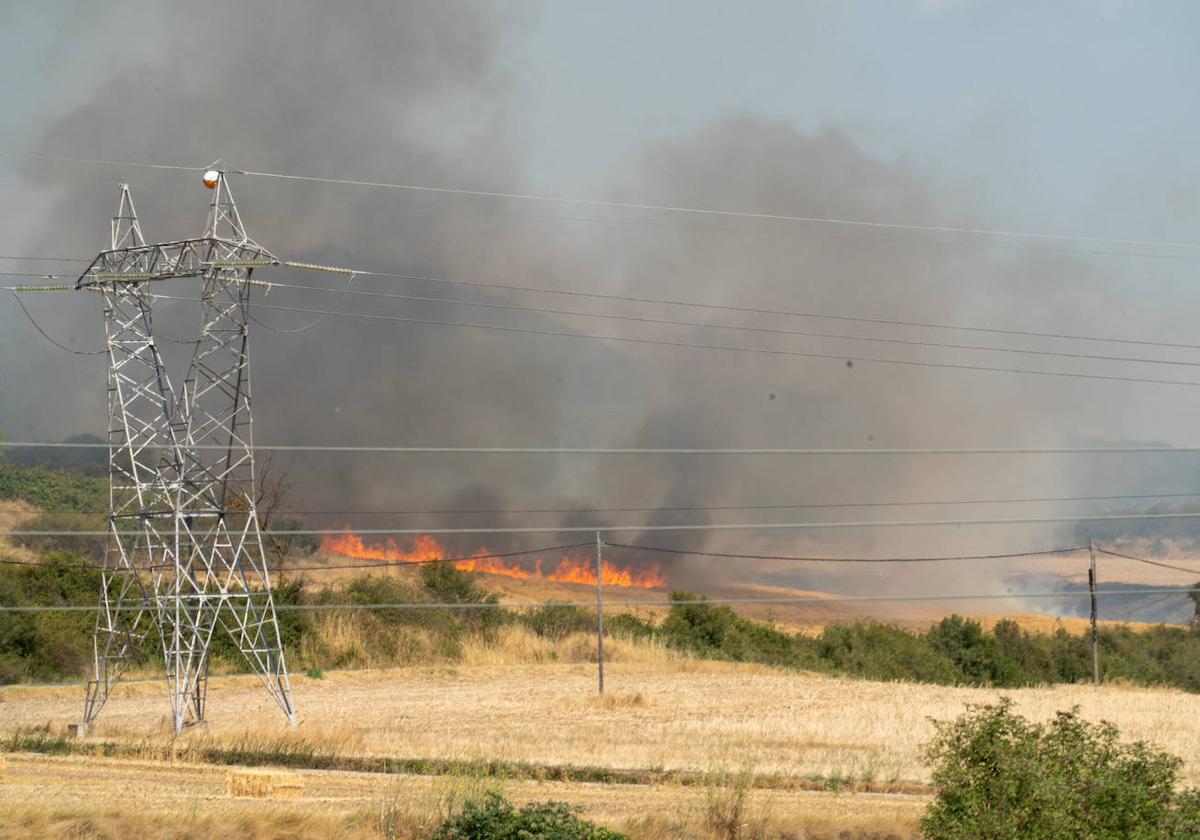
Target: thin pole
pixel 600 609
pixel 1092 588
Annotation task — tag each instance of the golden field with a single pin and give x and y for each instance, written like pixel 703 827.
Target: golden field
pixel 663 712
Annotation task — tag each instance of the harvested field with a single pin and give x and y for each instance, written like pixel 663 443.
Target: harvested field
pixel 59 796
pixel 263 784
pixel 697 716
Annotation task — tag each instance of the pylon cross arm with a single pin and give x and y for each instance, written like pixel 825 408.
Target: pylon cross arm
pixel 169 260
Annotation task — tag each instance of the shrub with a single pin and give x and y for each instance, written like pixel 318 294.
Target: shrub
pixel 448 585
pixel 878 651
pixel 718 632
pixel 1000 776
pixel 977 655
pixel 495 818
pixel 625 625
pixel 556 621
pixel 47 645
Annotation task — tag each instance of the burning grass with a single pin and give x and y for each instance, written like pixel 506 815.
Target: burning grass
pixel 570 567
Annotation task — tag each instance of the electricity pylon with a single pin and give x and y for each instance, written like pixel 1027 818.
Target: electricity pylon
pixel 184 556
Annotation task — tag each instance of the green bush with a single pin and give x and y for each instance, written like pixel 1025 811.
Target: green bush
pixel 980 658
pixel 52 490
pixel 495 818
pixel 717 632
pixel 47 645
pixel 448 585
pixel 627 626
pixel 877 651
pixel 1000 776
pixel 555 621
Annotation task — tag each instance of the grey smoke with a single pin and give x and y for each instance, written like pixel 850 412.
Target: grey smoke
pixel 423 93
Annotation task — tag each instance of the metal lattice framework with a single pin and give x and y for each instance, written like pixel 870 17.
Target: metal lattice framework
pixel 185 556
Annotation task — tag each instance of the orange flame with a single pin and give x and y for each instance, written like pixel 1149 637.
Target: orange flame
pixel 572 568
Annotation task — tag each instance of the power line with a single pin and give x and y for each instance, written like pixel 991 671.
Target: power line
pixel 575 450
pixel 43 259
pixel 740 526
pixel 631 205
pixel 840 357
pixel 294 330
pixel 46 335
pixel 735 327
pixel 827 599
pixel 668 509
pixel 777 311
pixel 721 307
pixel 327 568
pixel 729 556
pixel 1148 561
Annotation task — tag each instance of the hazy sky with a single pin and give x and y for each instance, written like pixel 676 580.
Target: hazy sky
pixel 1068 116
pixel 1071 116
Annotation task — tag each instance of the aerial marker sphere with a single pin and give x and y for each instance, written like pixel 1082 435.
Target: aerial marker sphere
pixel 210 178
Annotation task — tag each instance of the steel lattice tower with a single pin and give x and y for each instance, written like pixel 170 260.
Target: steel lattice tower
pixel 185 556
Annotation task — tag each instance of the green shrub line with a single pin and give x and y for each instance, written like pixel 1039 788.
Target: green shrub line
pixel 299 755
pixel 51 646
pixel 47 647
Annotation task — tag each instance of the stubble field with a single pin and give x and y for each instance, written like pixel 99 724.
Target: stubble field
pixel 663 717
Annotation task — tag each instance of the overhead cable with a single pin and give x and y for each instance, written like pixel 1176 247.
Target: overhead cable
pixel 382 564
pixel 634 205
pixel 839 357
pixel 734 327
pixel 826 599
pixel 774 311
pixel 663 508
pixel 706 526
pixel 808 559
pixel 1148 561
pixel 577 450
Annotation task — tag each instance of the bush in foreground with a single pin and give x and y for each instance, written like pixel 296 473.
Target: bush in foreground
pixel 1000 776
pixel 495 818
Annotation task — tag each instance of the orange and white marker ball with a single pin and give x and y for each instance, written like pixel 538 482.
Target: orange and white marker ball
pixel 210 178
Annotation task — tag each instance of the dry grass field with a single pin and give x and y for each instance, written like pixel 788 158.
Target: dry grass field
pixel 12 515
pixel 662 713
pixel 96 797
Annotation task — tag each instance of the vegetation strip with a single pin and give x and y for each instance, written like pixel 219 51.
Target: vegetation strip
pixel 300 756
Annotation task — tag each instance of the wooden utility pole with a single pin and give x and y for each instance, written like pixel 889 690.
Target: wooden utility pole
pixel 600 609
pixel 1092 588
